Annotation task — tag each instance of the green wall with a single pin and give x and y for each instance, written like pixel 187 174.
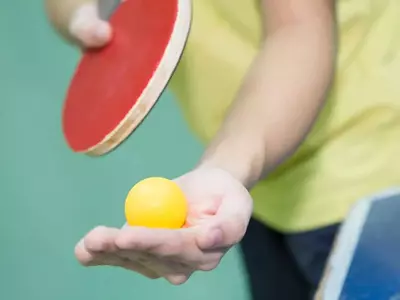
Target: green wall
pixel 50 196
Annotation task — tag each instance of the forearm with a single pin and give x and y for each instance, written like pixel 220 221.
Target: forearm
pixel 277 104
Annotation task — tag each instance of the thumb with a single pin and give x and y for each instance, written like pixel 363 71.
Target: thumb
pixel 87 27
pixel 229 224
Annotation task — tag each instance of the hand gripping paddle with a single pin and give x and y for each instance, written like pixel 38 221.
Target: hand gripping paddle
pixel 114 88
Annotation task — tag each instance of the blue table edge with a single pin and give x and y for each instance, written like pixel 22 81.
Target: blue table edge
pixel 345 245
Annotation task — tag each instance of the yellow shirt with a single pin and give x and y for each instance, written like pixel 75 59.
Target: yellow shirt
pixel 353 150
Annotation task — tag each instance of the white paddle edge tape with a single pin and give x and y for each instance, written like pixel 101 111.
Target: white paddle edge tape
pixel 154 88
pixel 346 244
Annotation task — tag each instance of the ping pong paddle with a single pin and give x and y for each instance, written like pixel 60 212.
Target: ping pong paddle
pixel 115 87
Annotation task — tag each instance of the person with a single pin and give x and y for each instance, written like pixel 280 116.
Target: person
pixel 297 104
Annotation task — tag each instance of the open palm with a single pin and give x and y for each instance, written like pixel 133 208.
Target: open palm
pixel 219 211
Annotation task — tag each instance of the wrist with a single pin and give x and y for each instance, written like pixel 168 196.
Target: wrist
pixel 243 165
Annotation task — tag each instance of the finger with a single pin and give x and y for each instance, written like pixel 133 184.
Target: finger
pixel 221 233
pixel 229 224
pixel 101 239
pixel 210 237
pixel 152 261
pixel 152 241
pixel 140 257
pixel 178 279
pixel 138 268
pixel 90 249
pixel 88 28
pixel 89 259
pixel 84 257
pixel 175 272
pixel 100 259
pixel 159 242
pixel 200 213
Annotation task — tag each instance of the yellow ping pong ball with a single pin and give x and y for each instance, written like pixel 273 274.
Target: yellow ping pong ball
pixel 156 202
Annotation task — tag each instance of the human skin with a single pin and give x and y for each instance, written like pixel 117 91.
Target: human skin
pixel 274 110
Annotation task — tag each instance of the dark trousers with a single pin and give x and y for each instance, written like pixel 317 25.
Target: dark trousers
pixel 285 266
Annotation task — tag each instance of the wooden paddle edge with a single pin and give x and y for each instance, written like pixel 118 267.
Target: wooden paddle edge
pixel 156 86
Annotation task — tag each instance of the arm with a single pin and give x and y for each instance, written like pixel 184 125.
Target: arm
pixel 283 92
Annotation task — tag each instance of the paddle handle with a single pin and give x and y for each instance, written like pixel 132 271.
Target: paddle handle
pixel 107 7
